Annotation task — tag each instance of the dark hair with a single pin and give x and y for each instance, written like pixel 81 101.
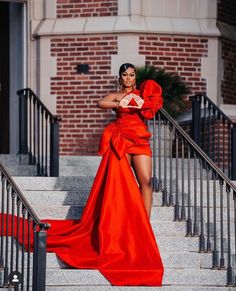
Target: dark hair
pixel 124 67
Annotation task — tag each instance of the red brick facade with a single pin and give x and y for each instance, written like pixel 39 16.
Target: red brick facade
pixel 86 8
pixel 77 94
pixel 227 14
pixel 181 55
pixel 228 84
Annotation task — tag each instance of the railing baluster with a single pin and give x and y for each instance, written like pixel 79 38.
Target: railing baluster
pixel 209 247
pixel 23 248
pixel 35 130
pixel 18 204
pixel 6 267
pixel 222 259
pixel 204 125
pixel 30 129
pixel 171 198
pixel 38 141
pixel 189 218
pixel 218 141
pixel 28 250
pixel 46 145
pixel 215 262
pixel 23 120
pixel 224 157
pixel 209 130
pixel 154 169
pixel 176 215
pixel 229 265
pixel 233 152
pixel 13 197
pixel 202 236
pixel 164 191
pixel 3 182
pixel 213 124
pixel 160 186
pixel 42 143
pixel 229 150
pixel 195 219
pixel 183 214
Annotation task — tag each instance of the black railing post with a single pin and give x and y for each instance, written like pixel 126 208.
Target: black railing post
pixel 54 148
pixel 39 264
pixel 23 148
pixel 196 112
pixel 233 152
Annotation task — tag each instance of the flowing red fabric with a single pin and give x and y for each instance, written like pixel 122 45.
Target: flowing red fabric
pixel 114 234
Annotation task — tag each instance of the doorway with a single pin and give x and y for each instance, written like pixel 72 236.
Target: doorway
pixel 4 78
pixel 12 72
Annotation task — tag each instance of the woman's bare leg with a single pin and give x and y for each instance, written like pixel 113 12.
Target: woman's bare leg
pixel 142 166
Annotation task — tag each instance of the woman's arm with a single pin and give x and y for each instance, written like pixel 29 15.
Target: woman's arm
pixel 108 102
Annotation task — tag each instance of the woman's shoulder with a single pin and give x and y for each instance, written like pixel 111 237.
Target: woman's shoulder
pixel 114 95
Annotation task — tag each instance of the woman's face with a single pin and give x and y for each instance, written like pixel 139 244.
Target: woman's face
pixel 128 78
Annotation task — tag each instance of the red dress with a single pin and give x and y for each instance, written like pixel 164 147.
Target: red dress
pixel 114 234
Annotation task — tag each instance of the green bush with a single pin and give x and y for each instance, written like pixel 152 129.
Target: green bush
pixel 173 87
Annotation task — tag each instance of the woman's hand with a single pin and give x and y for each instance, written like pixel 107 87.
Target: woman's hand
pixel 131 101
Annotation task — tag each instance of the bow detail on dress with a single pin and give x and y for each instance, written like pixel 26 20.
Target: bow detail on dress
pixel 112 137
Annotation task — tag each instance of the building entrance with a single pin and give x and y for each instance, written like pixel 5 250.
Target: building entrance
pixel 12 58
pixel 4 77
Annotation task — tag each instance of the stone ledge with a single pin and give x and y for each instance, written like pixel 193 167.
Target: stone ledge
pixel 124 24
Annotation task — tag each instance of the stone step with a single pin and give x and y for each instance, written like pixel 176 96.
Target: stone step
pixel 22 170
pixel 87 165
pixel 75 277
pixel 54 183
pixel 139 288
pixel 74 183
pixel 79 197
pixel 171 259
pixel 14 159
pixel 183 260
pixel 54 211
pixel 95 160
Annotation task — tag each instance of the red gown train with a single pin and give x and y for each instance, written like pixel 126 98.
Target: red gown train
pixel 114 234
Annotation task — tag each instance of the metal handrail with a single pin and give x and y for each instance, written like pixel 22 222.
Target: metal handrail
pixel 21 233
pixel 205 97
pixel 209 121
pixel 197 148
pixel 201 194
pixel 38 133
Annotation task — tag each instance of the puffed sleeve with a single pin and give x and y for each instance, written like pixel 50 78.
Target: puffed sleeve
pixel 151 92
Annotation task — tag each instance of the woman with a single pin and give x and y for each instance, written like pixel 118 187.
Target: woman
pixel 131 111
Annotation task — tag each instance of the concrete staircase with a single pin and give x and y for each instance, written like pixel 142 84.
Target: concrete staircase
pixel 65 196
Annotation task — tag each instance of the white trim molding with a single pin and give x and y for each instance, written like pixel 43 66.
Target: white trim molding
pixel 124 24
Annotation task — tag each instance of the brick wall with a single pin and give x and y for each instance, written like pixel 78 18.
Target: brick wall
pixel 228 85
pixel 77 94
pixel 86 8
pixel 226 11
pixel 227 14
pixel 177 54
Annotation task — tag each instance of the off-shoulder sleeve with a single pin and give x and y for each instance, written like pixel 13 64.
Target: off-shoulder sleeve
pixel 151 93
